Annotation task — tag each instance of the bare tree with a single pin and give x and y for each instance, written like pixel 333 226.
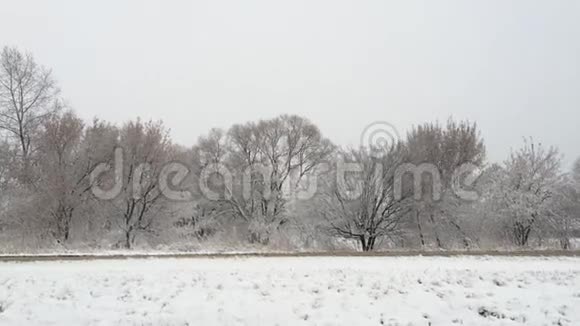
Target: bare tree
pixel 28 96
pixel 146 148
pixel 69 152
pixel 6 158
pixel 207 155
pixel 278 152
pixel 263 158
pixel 5 177
pixel 60 149
pixel 576 173
pixel 525 190
pixel 363 205
pixel 447 148
pixel 211 149
pixel 564 214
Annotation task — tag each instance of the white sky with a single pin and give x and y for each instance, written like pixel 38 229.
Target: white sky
pixel 512 66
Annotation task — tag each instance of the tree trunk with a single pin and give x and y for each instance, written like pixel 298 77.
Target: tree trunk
pixel 367 244
pixel 67 228
pixel 128 239
pixel 420 228
pixel 62 219
pixel 371 243
pixel 436 234
pixel 521 234
pixel 465 238
pixel 565 243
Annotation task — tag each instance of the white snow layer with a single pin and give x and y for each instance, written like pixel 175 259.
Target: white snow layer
pixel 293 291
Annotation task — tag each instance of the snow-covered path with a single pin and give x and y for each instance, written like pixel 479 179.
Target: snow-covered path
pixel 293 291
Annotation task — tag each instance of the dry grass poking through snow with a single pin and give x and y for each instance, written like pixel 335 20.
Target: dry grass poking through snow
pixel 293 291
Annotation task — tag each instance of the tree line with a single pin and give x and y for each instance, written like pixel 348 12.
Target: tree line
pixel 275 184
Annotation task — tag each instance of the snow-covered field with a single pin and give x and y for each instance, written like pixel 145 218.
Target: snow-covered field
pixel 293 291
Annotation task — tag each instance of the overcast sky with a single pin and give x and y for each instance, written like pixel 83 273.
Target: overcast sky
pixel 512 66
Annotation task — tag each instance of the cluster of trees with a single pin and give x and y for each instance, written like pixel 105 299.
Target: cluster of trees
pixel 277 183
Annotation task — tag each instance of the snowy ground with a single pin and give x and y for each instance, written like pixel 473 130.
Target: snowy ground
pixel 293 291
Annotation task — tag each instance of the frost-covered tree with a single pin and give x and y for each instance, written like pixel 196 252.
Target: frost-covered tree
pixel 526 188
pixel 5 177
pixel 146 149
pixel 564 215
pixel 263 160
pixel 363 204
pixel 576 174
pixel 69 151
pixel 6 158
pixel 447 148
